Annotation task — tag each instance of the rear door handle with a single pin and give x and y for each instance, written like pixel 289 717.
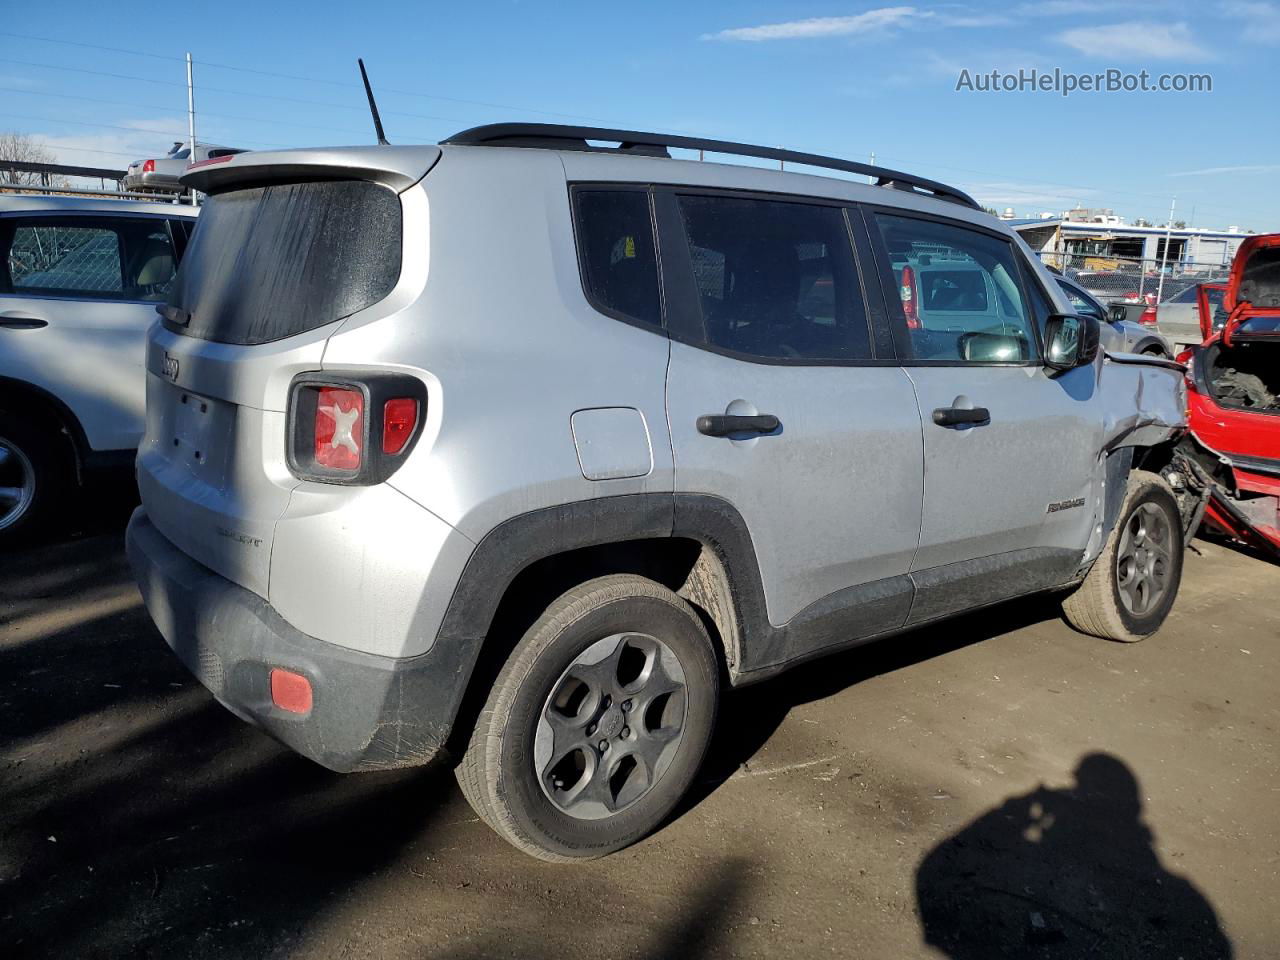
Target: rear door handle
pixel 725 425
pixel 957 416
pixel 21 321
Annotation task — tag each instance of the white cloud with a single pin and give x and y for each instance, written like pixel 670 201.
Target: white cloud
pixel 1159 41
pixel 1044 196
pixel 1262 20
pixel 1246 168
pixel 1068 8
pixel 873 20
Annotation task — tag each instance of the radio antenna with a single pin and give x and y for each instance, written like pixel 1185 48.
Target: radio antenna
pixel 373 106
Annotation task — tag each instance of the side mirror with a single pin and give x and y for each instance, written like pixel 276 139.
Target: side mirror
pixel 1070 340
pixel 1118 313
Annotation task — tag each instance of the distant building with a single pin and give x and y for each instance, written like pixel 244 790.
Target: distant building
pixel 1106 243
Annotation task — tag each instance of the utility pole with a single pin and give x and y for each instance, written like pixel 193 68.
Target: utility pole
pixel 1168 232
pixel 191 121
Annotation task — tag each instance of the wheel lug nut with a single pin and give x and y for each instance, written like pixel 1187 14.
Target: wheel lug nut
pixel 591 730
pixel 604 745
pixel 626 705
pixel 608 701
pixel 626 732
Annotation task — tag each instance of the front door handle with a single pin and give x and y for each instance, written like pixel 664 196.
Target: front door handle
pixel 21 321
pixel 726 425
pixel 958 416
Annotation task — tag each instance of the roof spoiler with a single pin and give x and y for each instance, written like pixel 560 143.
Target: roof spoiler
pixel 554 136
pixel 396 167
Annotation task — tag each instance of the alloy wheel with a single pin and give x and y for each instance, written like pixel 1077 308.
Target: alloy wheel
pixel 1144 560
pixel 610 726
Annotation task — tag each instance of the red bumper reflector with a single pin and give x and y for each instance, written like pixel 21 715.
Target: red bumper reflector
pixel 399 417
pixel 290 691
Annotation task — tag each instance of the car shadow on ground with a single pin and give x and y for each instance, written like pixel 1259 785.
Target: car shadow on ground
pixel 1064 873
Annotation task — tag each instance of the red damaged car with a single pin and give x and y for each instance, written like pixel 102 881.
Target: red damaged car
pixel 1233 397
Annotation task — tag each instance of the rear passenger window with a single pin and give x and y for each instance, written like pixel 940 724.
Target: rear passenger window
pixel 776 280
pixel 93 257
pixel 960 292
pixel 616 252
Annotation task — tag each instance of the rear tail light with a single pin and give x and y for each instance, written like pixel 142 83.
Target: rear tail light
pixel 909 298
pixel 339 428
pixel 1148 318
pixel 1188 359
pixel 399 420
pixel 354 430
pixel 149 166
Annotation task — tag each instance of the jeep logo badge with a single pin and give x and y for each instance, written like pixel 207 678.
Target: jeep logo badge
pixel 171 367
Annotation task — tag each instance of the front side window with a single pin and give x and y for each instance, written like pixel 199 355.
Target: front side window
pixel 959 291
pixel 617 254
pixel 94 257
pixel 776 280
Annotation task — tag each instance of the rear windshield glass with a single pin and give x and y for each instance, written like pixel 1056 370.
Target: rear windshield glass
pixel 270 262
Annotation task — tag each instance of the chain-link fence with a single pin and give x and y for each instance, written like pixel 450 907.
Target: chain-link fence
pixel 1123 280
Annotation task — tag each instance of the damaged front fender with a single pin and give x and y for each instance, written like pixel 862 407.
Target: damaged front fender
pixel 1144 399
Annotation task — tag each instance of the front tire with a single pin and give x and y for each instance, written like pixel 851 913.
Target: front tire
pixel 33 476
pixel 1132 585
pixel 597 723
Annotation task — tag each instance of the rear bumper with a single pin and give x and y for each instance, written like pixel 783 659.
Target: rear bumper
pixel 368 712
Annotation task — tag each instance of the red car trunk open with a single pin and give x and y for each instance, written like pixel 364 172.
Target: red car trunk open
pixel 1233 381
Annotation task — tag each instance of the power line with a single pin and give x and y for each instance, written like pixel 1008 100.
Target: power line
pixel 305 79
pixel 139 130
pixel 204 113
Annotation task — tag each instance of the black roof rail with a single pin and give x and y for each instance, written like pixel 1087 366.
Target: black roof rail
pixel 555 136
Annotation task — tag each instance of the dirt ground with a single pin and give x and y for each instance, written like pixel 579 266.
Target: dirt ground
pixel 996 786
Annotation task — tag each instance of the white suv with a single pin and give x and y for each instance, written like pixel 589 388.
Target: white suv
pixel 516 448
pixel 79 283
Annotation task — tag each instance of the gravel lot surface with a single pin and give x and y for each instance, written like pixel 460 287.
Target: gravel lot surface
pixel 996 786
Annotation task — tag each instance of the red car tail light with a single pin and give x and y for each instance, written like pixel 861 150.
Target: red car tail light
pixel 353 429
pixel 909 298
pixel 339 428
pixel 1148 318
pixel 148 166
pixel 399 419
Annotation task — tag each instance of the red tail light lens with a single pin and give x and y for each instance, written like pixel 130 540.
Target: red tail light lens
pixel 1148 318
pixel 339 428
pixel 149 166
pixel 399 418
pixel 356 428
pixel 908 294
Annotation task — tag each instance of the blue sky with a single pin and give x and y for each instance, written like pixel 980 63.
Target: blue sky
pixel 840 78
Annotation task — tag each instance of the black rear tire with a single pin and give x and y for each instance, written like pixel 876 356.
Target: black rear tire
pixel 31 457
pixel 507 772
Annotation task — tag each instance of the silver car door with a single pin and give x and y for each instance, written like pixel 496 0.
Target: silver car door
pixel 1010 451
pixel 778 406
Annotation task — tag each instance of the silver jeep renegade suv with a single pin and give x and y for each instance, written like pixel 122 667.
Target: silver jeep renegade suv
pixel 518 448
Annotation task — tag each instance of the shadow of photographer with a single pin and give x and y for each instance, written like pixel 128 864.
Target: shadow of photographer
pixel 1064 873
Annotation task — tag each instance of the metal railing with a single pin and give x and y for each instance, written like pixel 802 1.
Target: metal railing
pixel 1126 280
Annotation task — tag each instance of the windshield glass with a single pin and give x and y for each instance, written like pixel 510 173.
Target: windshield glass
pixel 269 262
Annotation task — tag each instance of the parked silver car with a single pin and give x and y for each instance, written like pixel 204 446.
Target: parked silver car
pixel 79 284
pixel 160 174
pixel 1179 318
pixel 1119 334
pixel 510 449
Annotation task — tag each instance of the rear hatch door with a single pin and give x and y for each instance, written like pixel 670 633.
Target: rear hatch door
pixel 283 252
